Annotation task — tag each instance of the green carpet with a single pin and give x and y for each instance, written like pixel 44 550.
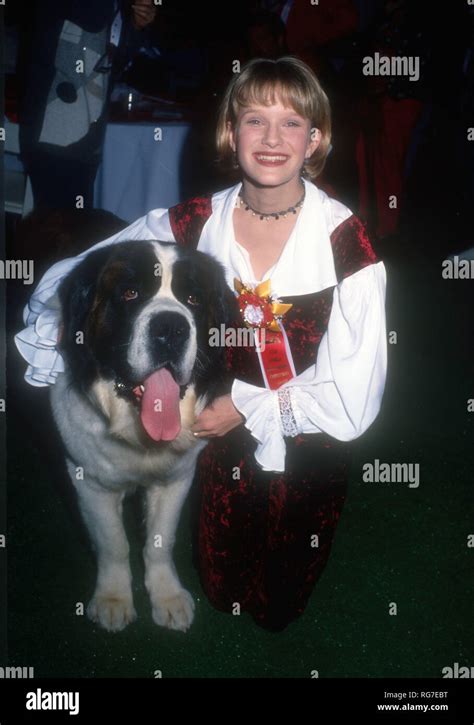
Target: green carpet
pixel 394 544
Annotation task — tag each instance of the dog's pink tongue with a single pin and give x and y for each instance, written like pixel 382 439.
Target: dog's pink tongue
pixel 160 406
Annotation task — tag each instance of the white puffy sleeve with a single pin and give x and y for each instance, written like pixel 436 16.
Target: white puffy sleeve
pixel 37 341
pixel 342 393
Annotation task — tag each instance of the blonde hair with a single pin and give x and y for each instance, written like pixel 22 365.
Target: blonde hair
pixel 263 81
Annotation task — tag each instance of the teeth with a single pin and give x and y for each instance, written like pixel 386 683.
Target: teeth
pixel 272 158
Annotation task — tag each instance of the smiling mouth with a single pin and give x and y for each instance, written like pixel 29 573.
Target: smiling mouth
pixel 271 159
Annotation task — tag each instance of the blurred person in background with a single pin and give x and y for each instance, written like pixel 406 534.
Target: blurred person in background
pixel 69 52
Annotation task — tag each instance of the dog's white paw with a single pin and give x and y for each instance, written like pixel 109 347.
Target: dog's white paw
pixel 175 611
pixel 112 612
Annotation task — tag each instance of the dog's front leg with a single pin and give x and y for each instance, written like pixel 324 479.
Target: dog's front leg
pixel 172 605
pixel 112 603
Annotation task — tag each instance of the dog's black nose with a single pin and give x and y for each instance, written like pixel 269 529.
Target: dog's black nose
pixel 169 329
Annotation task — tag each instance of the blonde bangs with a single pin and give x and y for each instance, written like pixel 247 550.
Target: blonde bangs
pixel 267 92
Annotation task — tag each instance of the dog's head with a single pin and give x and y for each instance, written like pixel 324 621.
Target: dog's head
pixel 139 314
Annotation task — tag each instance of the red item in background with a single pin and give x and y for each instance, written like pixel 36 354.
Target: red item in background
pixel 11 98
pixel 310 27
pixel 386 129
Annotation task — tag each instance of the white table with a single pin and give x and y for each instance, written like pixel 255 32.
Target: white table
pixel 18 193
pixel 139 173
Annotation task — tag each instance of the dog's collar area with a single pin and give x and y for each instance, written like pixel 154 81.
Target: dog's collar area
pixel 133 393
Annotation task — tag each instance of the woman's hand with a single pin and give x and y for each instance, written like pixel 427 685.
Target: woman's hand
pixel 143 13
pixel 217 419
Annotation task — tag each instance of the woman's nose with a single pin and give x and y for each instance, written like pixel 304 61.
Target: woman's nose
pixel 272 135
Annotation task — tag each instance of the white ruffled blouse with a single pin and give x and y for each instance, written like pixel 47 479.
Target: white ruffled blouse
pixel 340 394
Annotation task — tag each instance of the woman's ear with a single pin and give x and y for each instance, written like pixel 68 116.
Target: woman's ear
pixel 315 137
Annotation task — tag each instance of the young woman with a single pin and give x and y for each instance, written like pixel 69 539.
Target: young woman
pixel 272 481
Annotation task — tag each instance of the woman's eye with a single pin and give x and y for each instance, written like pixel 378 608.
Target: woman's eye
pixel 253 121
pixel 293 123
pixel 192 300
pixel 129 294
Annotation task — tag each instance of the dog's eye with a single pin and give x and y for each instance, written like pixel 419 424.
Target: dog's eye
pixel 192 300
pixel 129 294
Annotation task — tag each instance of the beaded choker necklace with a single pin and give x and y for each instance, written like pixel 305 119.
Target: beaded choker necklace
pixel 274 214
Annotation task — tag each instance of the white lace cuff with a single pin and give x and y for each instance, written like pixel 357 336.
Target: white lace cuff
pixel 261 411
pixel 287 418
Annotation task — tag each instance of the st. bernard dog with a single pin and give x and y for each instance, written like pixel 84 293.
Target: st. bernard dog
pixel 138 369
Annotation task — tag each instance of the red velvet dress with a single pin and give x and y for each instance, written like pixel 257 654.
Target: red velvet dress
pixel 264 538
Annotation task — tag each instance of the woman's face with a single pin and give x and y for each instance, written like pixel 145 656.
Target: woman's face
pixel 272 142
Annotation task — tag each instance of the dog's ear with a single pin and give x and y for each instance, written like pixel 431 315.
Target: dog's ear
pixel 76 294
pixel 224 306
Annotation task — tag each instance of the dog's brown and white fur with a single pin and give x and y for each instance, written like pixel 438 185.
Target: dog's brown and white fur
pixel 135 322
